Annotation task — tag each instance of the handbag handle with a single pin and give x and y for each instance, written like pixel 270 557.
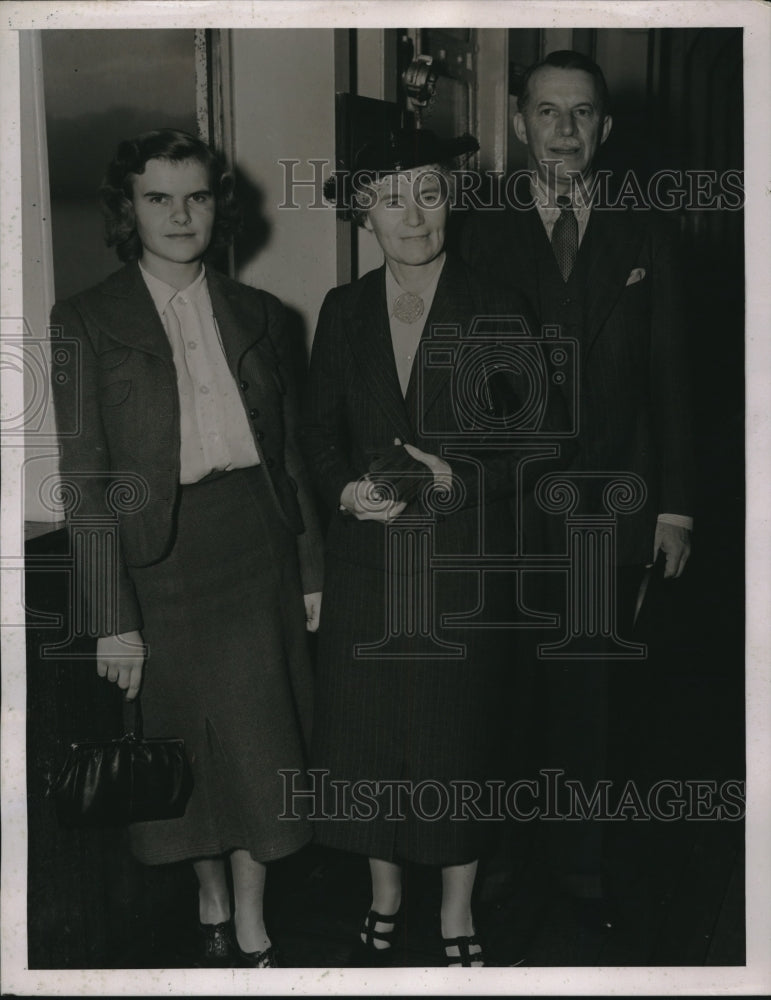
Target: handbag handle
pixel 133 724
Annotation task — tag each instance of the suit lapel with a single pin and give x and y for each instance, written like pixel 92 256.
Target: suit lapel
pixel 128 313
pixel 370 340
pixel 612 245
pixel 526 250
pixel 452 307
pixel 240 326
pixel 523 239
pixel 134 320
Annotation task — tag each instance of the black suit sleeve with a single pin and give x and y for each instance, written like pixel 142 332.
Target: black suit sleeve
pixel 309 543
pixel 324 431
pixel 670 376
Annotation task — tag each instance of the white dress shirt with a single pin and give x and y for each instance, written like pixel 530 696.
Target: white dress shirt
pixel 550 213
pixel 215 433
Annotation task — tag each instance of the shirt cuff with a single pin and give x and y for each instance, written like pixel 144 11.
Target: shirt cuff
pixel 679 520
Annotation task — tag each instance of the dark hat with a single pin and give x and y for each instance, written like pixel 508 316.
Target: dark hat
pixel 402 149
pixel 410 148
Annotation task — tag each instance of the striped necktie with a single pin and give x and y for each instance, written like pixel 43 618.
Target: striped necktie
pixel 564 237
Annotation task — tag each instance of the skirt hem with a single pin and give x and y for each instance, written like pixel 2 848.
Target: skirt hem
pixel 216 851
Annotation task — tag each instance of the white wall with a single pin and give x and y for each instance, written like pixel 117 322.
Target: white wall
pixel 40 443
pixel 376 78
pixel 623 55
pixel 284 108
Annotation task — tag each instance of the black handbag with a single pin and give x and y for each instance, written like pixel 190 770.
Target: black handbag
pixel 127 780
pixel 399 476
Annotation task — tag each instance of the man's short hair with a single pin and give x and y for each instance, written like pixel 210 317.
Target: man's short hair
pixel 567 59
pixel 131 158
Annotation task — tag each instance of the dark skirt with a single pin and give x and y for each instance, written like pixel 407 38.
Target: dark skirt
pixel 415 713
pixel 228 670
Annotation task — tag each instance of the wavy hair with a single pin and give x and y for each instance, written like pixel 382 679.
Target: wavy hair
pixel 175 146
pixel 365 185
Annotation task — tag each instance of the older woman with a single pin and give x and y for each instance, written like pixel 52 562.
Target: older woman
pixel 184 384
pixel 408 702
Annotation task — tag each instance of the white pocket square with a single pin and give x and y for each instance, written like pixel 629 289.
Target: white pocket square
pixel 635 275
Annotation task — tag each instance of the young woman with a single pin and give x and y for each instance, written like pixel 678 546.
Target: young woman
pixel 183 384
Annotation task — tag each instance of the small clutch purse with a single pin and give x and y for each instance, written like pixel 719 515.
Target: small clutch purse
pixel 120 781
pixel 398 475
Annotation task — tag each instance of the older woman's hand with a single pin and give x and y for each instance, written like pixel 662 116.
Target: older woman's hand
pixel 441 470
pixel 362 499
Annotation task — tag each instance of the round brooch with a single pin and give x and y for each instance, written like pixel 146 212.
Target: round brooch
pixel 408 307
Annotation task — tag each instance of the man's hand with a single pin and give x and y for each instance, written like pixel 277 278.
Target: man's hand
pixel 361 498
pixel 312 611
pixel 675 543
pixel 120 658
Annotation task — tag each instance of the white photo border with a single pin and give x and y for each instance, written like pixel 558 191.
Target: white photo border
pixel 755 977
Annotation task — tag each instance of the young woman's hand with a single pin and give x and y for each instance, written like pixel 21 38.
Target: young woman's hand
pixel 120 659
pixel 361 498
pixel 312 611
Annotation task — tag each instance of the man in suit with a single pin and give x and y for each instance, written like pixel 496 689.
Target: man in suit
pixel 607 276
